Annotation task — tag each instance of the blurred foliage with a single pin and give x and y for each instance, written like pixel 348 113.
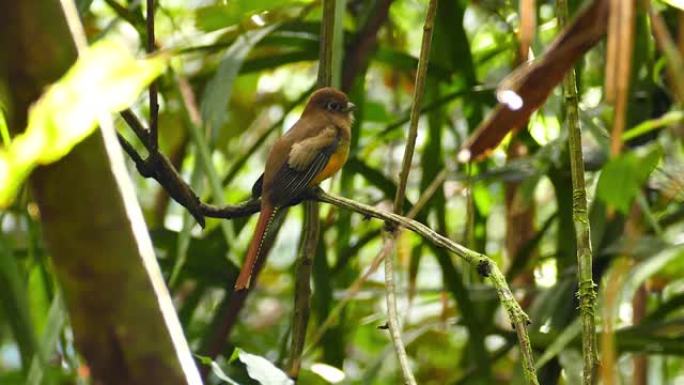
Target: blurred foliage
pixel 250 63
pixel 106 79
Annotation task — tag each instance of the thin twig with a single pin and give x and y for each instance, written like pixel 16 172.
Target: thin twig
pixel 428 193
pixel 586 292
pixel 390 239
pixel 134 123
pixel 154 100
pixel 356 286
pixel 435 104
pixel 159 167
pixel 419 86
pixel 482 263
pixel 392 314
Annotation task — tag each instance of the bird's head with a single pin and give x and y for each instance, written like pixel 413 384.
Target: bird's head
pixel 333 103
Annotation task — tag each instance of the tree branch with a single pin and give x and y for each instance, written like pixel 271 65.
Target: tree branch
pixel 482 263
pixel 159 167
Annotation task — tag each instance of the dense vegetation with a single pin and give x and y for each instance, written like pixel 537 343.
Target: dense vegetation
pixel 232 76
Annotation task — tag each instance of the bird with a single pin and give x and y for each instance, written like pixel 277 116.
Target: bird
pixel 312 150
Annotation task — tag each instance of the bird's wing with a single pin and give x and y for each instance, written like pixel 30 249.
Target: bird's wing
pixel 257 186
pixel 307 158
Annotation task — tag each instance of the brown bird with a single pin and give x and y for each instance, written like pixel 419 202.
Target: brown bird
pixel 314 149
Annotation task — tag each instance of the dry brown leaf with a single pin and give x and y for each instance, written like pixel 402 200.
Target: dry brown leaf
pixel 526 89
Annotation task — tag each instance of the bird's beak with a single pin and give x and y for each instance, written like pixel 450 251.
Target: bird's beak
pixel 350 107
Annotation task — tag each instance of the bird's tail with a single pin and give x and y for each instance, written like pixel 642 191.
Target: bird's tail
pixel 266 229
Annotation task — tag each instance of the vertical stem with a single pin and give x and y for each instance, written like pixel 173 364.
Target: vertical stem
pixel 392 316
pixel 302 300
pixel 586 292
pixel 390 240
pixel 421 75
pixel 337 45
pixel 325 58
pixel 154 102
pixel 311 227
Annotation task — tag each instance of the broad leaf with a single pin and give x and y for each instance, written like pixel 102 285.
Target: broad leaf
pixel 218 91
pixel 263 371
pixel 623 176
pixel 230 13
pixel 105 79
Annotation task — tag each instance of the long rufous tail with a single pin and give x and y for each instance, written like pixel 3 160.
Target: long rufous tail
pixel 256 247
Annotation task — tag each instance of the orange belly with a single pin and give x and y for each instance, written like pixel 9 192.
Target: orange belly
pixel 335 163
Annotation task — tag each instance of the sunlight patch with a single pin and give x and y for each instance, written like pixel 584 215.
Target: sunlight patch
pixel 328 373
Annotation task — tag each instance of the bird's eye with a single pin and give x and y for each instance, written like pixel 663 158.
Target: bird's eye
pixel 333 106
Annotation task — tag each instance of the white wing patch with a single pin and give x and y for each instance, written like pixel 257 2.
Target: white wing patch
pixel 304 152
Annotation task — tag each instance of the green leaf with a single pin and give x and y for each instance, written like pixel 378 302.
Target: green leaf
pixel 83 6
pixel 15 303
pixel 230 13
pixel 56 319
pixel 669 258
pixel 217 94
pixel 105 79
pixel 560 343
pixel 4 132
pixel 263 371
pixel 216 369
pixel 623 176
pixel 376 112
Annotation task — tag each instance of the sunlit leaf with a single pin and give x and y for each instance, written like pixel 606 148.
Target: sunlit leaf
pixel 228 13
pixel 216 369
pixel 670 118
pixel 106 78
pixel 676 3
pixel 4 132
pixel 263 371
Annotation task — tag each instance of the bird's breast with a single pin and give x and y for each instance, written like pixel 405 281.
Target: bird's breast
pixel 337 160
